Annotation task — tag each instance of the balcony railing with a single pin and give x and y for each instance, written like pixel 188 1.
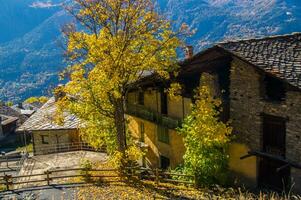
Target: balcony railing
pixel 65 147
pixel 156 117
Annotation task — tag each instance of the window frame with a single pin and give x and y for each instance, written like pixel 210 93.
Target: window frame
pixel 163 134
pixel 140 98
pixel 142 131
pixel 161 157
pixel 43 139
pixel 164 103
pixel 277 87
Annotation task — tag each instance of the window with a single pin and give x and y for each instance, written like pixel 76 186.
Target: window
pixel 274 135
pixel 140 98
pixel 163 135
pixel 44 139
pixel 141 129
pixel 164 162
pixel 274 89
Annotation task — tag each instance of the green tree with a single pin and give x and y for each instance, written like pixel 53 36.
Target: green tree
pixel 41 99
pixel 206 138
pixel 122 40
pixel 9 103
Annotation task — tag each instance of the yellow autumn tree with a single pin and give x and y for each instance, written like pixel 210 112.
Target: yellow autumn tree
pixel 41 99
pixel 206 138
pixel 118 43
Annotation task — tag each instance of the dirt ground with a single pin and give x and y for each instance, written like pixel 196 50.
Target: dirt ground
pixel 64 160
pixel 40 164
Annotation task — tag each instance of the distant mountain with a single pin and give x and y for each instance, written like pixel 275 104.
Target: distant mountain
pixel 30 54
pixel 217 20
pixel 29 64
pixel 17 17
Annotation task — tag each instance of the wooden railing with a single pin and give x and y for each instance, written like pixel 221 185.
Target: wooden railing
pixel 150 115
pixel 48 177
pixel 65 147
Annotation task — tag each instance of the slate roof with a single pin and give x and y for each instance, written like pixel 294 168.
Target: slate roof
pixel 278 55
pixel 7 119
pixel 8 111
pixel 43 119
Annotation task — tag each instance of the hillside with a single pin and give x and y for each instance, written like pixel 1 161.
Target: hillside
pixel 30 54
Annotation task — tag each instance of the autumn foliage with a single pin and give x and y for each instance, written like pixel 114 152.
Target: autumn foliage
pixel 206 138
pixel 118 43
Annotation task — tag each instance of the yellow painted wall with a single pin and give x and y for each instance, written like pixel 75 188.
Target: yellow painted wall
pixel 187 106
pixel 132 97
pixel 175 107
pixel 149 136
pixel 177 148
pixel 244 171
pixel 152 99
pixel 174 150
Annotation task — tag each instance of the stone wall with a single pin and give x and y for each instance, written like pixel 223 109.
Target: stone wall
pixel 53 138
pixel 247 105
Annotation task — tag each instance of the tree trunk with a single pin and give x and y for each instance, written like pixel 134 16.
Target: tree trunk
pixel 120 124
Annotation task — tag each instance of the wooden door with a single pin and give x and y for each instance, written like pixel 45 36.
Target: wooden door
pixel 271 178
pixel 274 133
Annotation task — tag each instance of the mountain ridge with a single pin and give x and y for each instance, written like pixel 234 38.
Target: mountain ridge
pixel 29 62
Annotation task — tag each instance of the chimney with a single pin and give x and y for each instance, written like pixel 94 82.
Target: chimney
pixel 188 52
pixel 58 92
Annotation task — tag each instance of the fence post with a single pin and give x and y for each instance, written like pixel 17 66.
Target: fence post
pixel 133 172
pixel 157 176
pixel 87 177
pixel 195 181
pixel 6 179
pixel 47 177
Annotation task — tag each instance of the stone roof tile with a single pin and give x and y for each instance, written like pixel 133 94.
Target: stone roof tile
pixel 278 55
pixel 43 119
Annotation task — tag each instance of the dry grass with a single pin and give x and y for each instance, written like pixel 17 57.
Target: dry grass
pixel 28 148
pixel 148 190
pixel 2 187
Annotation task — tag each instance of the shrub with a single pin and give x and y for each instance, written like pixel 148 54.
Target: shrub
pixel 206 139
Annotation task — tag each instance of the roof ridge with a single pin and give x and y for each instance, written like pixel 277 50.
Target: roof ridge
pixel 259 38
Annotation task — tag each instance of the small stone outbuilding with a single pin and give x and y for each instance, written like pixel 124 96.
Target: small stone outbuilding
pixel 50 137
pixel 8 125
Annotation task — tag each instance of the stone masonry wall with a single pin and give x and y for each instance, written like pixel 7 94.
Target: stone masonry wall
pixel 247 105
pixel 53 138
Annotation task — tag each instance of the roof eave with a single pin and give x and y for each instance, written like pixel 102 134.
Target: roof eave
pixel 254 65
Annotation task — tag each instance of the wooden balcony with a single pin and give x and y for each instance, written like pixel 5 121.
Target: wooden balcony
pixel 152 116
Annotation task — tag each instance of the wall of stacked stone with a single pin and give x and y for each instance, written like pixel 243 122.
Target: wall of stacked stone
pixel 244 100
pixel 248 104
pixel 54 137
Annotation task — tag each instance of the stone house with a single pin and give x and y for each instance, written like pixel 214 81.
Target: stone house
pixel 50 137
pixel 11 112
pixel 259 82
pixel 8 125
pixel 10 119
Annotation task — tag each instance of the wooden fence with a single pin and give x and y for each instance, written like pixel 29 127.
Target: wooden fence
pixel 48 177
